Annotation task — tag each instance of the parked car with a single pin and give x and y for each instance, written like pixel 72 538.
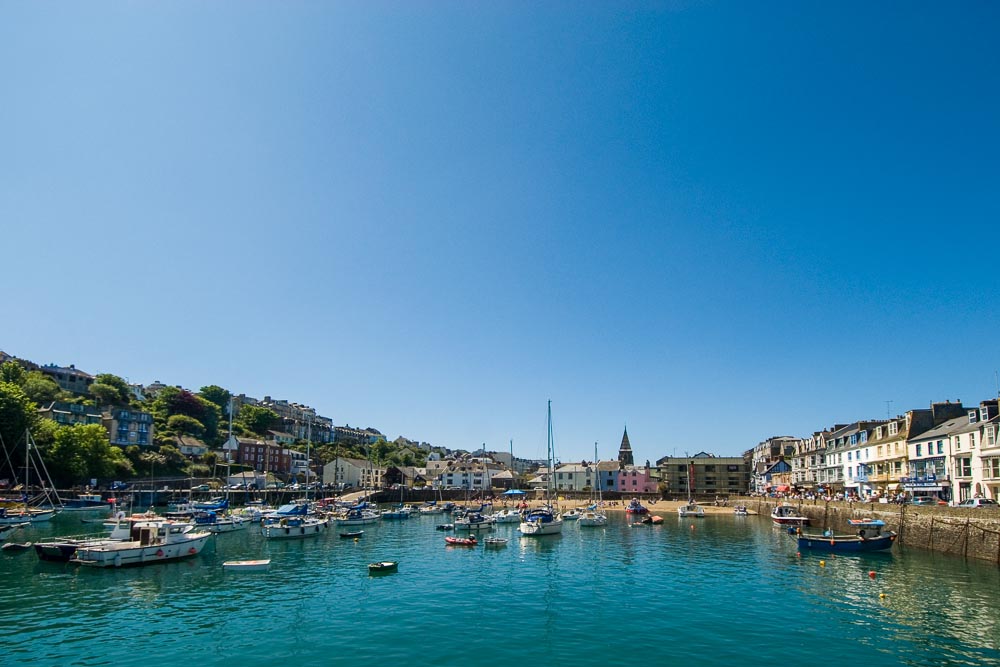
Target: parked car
pixel 924 500
pixel 118 486
pixel 978 502
pixel 201 487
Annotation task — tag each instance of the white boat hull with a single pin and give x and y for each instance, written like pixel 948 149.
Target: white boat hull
pixel 533 528
pixel 592 519
pixel 276 531
pixel 247 565
pixel 134 553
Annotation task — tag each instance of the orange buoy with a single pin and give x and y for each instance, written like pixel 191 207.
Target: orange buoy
pixel 822 563
pixel 871 573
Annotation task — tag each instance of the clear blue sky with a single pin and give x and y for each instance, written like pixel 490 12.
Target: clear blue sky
pixel 712 222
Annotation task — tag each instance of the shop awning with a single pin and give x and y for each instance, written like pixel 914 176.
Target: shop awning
pixel 782 487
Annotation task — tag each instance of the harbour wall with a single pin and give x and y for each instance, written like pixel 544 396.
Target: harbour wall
pixel 969 533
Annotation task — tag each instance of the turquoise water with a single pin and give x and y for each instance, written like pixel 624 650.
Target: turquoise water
pixel 727 591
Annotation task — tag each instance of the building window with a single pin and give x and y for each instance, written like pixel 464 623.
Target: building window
pixel 972 441
pixel 964 466
pixel 893 428
pixel 918 449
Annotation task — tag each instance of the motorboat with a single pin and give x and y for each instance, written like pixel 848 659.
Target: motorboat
pixel 740 510
pixel 495 542
pixel 473 520
pixel 571 514
pixel 786 514
pixel 691 509
pixel 871 535
pixel 85 502
pixel 154 541
pixel 358 516
pixel 507 515
pixel 461 541
pixel 214 523
pixel 293 527
pixel 635 507
pixel 352 534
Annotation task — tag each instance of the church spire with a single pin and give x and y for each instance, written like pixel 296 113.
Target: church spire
pixel 625 452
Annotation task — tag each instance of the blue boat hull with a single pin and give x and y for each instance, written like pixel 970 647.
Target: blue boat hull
pixel 850 544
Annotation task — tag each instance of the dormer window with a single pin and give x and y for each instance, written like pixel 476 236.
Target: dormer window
pixel 984 414
pixel 878 431
pixel 893 428
pixel 973 414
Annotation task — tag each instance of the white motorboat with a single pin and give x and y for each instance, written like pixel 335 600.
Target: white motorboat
pixel 507 515
pixel 571 514
pixel 155 541
pixel 294 527
pixel 785 514
pixel 473 520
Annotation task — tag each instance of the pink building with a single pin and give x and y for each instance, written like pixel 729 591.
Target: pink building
pixel 633 479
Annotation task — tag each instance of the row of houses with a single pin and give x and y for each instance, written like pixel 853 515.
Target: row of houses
pixel 948 451
pixel 700 475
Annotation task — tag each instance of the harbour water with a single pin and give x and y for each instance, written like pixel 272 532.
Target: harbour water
pixel 722 590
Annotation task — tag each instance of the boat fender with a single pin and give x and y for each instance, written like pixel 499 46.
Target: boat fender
pixel 192 551
pixel 861 533
pixel 159 552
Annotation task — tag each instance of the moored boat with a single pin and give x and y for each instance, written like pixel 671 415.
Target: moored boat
pixel 740 510
pixel 635 507
pixel 155 541
pixel 473 520
pixel 691 509
pixel 461 541
pixel 786 514
pixel 352 534
pixel 293 527
pixel 870 536
pixel 507 515
pixel 383 567
pixel 86 502
pixel 260 565
pixel 544 520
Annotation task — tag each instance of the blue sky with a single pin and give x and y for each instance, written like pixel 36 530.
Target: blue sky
pixel 712 222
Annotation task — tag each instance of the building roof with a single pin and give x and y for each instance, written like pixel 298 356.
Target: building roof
pixel 949 427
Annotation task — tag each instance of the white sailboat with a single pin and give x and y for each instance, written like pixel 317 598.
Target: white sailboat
pixel 544 520
pixel 594 516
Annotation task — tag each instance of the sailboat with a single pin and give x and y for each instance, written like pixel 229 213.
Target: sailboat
pixel 217 517
pixel 28 514
pixel 594 515
pixel 544 520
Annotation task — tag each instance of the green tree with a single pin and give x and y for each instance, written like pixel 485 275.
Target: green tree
pixel 112 386
pixel 12 372
pixel 81 452
pixel 40 388
pixel 184 425
pixel 18 415
pixel 257 419
pixel 104 394
pixel 217 395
